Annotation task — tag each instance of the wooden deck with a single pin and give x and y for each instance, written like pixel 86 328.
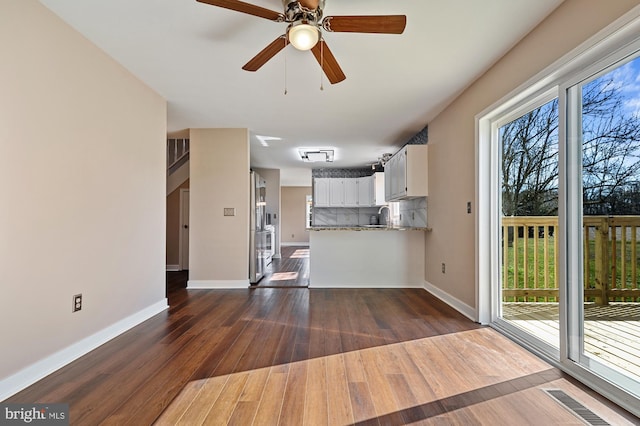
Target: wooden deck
pixel 612 332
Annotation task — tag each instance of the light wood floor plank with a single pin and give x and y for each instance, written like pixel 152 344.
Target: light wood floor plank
pixel 271 403
pixel 294 395
pixel 316 397
pixel 339 403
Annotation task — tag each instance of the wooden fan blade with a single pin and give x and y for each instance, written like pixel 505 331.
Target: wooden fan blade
pixel 310 4
pixel 251 9
pixel 267 53
pixel 384 24
pixel 328 62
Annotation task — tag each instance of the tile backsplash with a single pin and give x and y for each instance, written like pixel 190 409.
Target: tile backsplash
pixel 412 213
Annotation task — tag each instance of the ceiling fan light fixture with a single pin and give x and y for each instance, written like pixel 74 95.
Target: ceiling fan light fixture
pixel 303 36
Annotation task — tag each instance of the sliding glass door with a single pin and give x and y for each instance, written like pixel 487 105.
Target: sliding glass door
pixel 604 141
pixel 560 194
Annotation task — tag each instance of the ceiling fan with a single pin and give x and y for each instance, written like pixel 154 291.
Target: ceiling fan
pixel 305 28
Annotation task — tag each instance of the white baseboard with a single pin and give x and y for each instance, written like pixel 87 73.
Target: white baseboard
pixel 48 365
pixel 289 244
pixel 217 284
pixel 456 304
pixel 364 286
pixel 173 268
pixel 277 256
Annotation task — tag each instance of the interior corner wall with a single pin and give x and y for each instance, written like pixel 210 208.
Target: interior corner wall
pixel 452 138
pixel 272 176
pixel 219 179
pixel 83 178
pixel 294 205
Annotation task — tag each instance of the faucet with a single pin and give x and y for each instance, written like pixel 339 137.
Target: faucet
pixel 389 222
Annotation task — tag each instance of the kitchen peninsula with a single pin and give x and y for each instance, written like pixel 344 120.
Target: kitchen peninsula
pixel 366 257
pixel 347 248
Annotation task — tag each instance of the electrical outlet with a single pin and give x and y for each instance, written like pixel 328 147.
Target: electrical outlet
pixel 77 302
pixel 444 268
pixel 229 211
pixel 468 206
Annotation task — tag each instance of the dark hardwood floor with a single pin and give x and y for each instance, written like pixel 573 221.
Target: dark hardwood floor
pixel 176 280
pixel 290 270
pixel 296 356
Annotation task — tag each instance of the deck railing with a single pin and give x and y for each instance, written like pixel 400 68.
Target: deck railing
pixel 530 257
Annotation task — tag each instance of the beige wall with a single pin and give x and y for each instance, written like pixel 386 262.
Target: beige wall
pixel 219 178
pixel 294 199
pixel 173 225
pixel 452 136
pixel 83 178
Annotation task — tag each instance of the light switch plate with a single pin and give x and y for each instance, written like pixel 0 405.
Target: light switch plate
pixel 229 211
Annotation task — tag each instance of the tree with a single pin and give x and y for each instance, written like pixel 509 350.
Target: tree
pixel 530 163
pixel 610 149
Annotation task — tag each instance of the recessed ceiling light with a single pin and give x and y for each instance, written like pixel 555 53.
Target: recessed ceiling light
pixel 264 140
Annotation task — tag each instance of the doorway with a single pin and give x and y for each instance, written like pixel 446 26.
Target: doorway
pixel 184 229
pixel 291 270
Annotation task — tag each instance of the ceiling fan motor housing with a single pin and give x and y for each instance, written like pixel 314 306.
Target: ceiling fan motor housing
pixel 294 12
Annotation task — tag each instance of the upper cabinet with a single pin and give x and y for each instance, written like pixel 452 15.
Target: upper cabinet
pixel 321 192
pixel 406 173
pixel 350 189
pixel 365 191
pixel 336 192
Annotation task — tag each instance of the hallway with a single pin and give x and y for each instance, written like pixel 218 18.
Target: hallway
pixel 290 271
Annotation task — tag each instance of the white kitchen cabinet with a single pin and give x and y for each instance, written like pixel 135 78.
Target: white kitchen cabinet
pixel 349 192
pixel 336 192
pixel 378 189
pixel 321 192
pixel 406 173
pixel 350 187
pixel 365 191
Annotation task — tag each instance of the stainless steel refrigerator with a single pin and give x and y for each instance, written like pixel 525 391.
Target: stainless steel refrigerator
pixel 257 228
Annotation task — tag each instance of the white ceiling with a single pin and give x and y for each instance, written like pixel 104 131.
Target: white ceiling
pixel 192 53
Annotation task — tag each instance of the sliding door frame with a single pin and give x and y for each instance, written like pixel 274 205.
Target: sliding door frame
pixel 592 57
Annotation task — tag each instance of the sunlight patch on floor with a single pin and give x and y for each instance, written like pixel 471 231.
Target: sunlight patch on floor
pixel 300 254
pixel 283 276
pixel 415 377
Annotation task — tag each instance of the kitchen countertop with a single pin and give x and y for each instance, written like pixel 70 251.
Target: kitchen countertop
pixel 366 228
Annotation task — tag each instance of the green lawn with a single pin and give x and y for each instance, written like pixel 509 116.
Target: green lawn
pixel 534 269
